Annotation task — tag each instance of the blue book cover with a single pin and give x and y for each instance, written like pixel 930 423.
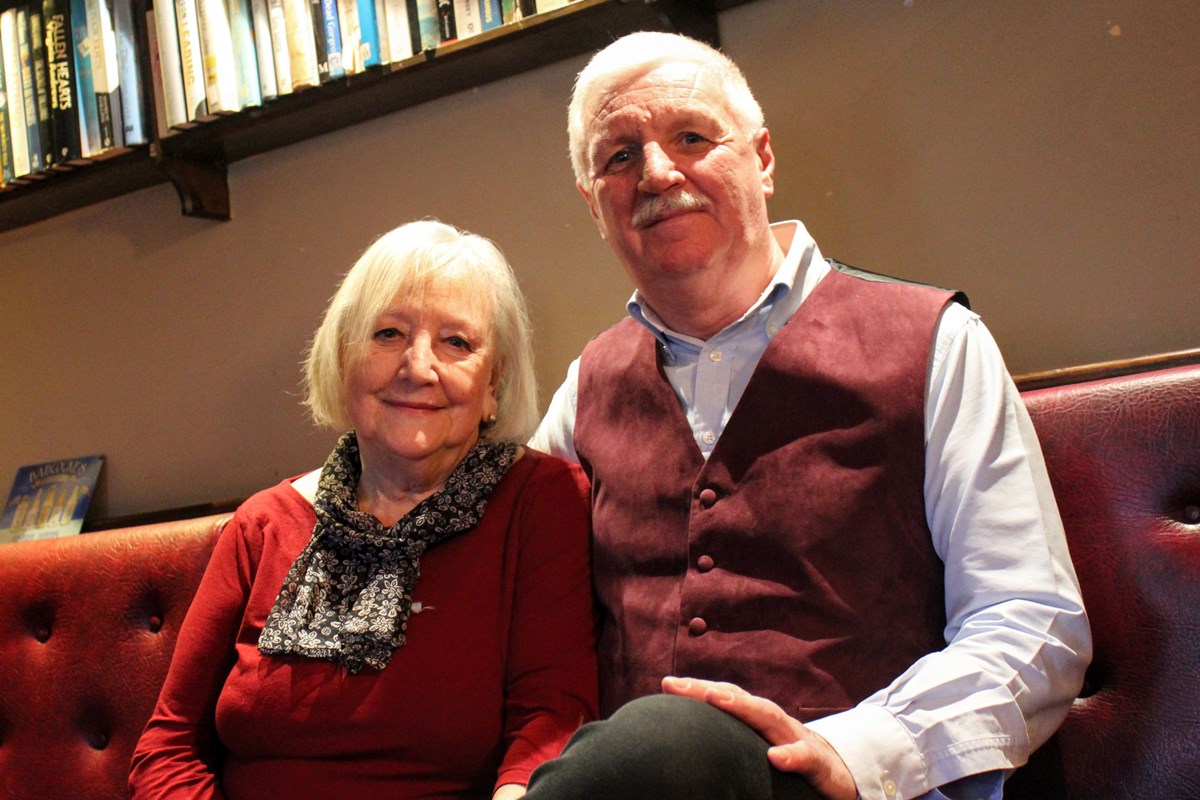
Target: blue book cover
pixel 490 14
pixel 368 25
pixel 50 499
pixel 333 38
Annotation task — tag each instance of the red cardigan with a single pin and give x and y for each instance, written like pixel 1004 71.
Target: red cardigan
pixel 498 671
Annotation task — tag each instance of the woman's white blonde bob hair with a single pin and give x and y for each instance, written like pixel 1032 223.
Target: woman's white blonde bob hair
pixel 404 262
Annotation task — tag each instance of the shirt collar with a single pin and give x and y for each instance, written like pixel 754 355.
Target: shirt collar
pixel 801 269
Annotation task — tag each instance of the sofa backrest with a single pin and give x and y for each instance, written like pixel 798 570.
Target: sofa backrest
pixel 87 627
pixel 1124 460
pixel 88 623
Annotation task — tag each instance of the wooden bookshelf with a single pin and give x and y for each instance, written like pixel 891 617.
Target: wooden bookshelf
pixel 195 160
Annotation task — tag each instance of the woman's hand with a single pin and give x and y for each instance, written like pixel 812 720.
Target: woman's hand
pixel 509 791
pixel 795 748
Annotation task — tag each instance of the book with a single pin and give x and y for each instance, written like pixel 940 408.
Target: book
pixel 331 27
pixel 370 51
pixel 397 28
pixel 427 30
pixel 102 40
pixel 447 32
pixel 50 499
pixel 385 50
pixel 510 11
pixel 301 43
pixel 33 126
pixel 133 111
pixel 490 14
pixel 191 60
pixel 65 135
pixel 268 83
pixel 85 94
pixel 156 73
pixel 279 47
pixel 245 53
pixel 466 18
pixel 320 45
pixel 360 35
pixel 41 84
pixel 166 69
pixel 6 162
pixel 17 127
pixel 216 49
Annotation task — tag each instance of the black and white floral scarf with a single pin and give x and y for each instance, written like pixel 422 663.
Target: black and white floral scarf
pixel 347 597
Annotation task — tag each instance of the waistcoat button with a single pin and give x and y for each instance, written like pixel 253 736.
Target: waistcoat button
pixel 697 626
pixel 707 498
pixel 704 563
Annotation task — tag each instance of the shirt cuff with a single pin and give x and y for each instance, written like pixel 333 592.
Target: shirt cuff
pixel 878 751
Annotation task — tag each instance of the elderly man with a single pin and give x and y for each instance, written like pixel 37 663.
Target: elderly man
pixel 819 505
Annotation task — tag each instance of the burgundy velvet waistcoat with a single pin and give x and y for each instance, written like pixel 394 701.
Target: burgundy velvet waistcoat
pixel 796 562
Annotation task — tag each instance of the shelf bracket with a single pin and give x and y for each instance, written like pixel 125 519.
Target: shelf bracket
pixel 202 186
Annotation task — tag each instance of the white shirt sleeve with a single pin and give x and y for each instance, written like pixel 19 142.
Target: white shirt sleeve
pixel 1018 637
pixel 556 432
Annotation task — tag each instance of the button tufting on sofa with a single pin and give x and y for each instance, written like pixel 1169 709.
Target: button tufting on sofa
pixel 87 626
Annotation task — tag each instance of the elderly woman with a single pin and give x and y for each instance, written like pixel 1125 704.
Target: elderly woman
pixel 415 619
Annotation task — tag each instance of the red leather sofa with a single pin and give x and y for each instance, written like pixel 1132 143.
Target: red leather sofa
pixel 87 623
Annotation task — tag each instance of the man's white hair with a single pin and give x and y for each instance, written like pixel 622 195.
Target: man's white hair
pixel 637 54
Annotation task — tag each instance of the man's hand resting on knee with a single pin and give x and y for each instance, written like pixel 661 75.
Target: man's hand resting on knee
pixel 794 747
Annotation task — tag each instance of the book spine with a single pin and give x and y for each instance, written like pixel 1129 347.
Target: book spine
pixel 245 53
pixel 319 41
pixel 156 72
pixel 425 21
pixel 268 82
pixel 173 98
pixel 301 43
pixel 333 38
pixel 133 111
pixel 490 15
pixel 66 144
pixel 280 47
pixel 370 49
pixel 466 18
pixel 351 33
pixel 447 31
pixel 105 76
pixel 85 92
pixel 41 84
pixel 510 10
pixel 33 126
pixel 6 155
pixel 381 29
pixel 18 128
pixel 548 5
pixel 399 32
pixel 216 45
pixel 191 59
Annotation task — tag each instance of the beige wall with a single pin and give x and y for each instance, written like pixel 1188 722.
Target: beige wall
pixel 1043 156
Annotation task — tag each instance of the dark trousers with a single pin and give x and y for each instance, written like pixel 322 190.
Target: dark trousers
pixel 665 747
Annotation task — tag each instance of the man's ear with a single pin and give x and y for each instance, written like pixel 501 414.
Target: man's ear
pixel 766 161
pixel 591 204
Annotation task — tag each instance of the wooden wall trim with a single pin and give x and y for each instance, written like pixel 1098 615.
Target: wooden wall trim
pixel 1105 369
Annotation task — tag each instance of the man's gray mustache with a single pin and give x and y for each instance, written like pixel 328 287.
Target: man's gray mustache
pixel 655 207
